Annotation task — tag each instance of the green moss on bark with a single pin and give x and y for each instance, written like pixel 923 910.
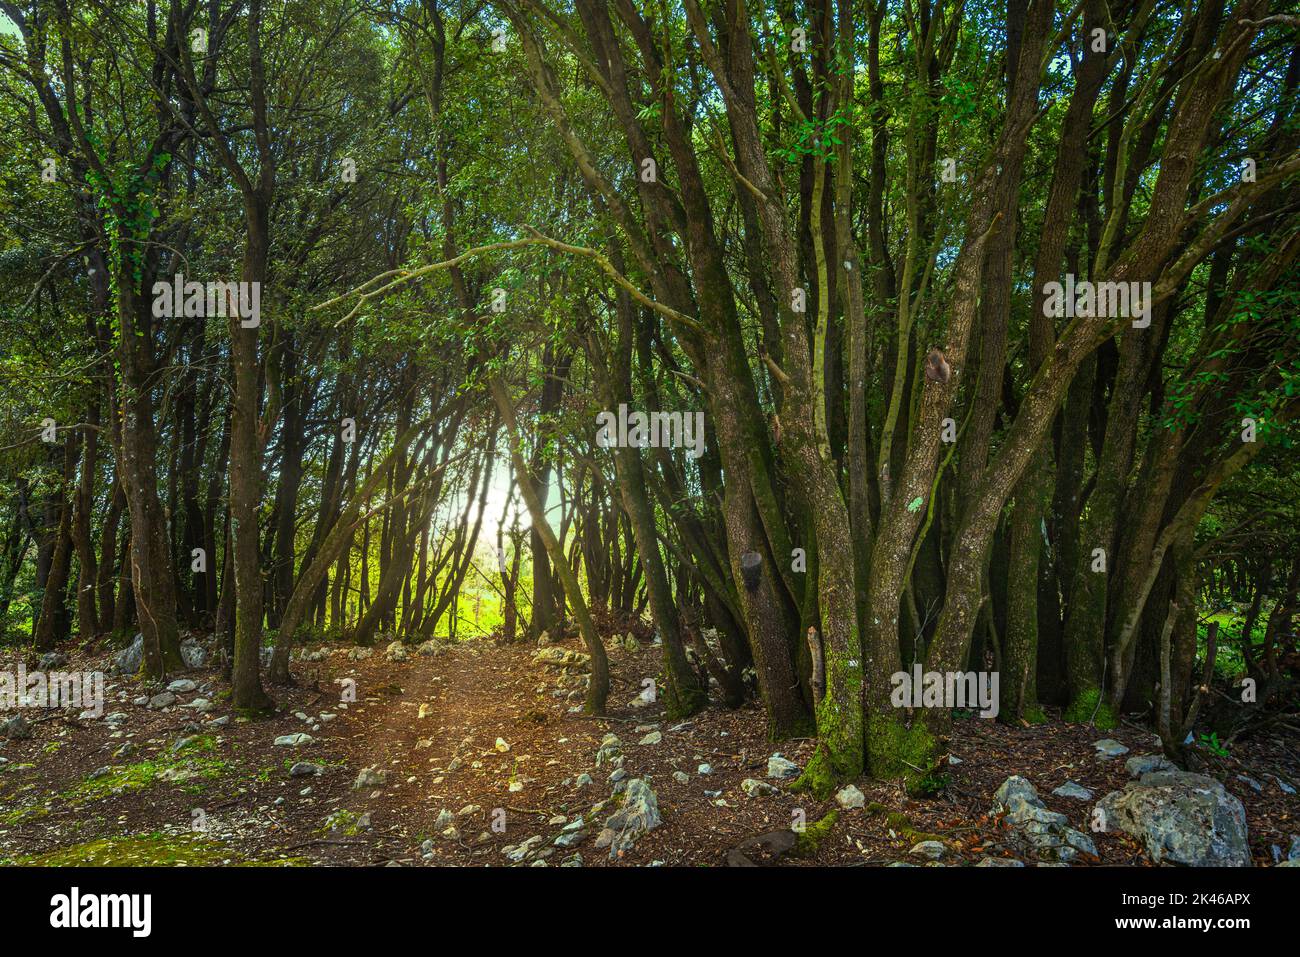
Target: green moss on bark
pixel 1089 707
pixel 811 837
pixel 894 750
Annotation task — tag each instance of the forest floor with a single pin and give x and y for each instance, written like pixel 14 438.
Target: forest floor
pixel 192 788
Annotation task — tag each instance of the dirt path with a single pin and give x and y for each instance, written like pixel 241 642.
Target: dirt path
pixel 71 794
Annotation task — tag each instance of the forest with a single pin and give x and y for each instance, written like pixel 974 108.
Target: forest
pixel 718 432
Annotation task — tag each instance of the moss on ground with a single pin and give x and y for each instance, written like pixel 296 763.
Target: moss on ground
pixel 811 837
pixel 146 850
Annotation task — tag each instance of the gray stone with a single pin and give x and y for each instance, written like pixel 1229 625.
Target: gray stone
pixel 304 769
pixel 756 788
pixel 654 737
pixel 52 660
pixel 933 850
pixel 128 660
pixel 164 700
pixel 638 815
pixel 1109 748
pixel 181 686
pixel 1141 764
pixel 371 777
pixel 850 797
pixel 1071 789
pixel 1181 818
pixel 780 767
pixel 193 654
pixel 295 740
pixel 681 777
pixel 1000 862
pixel 396 651
pixel 518 852
pixel 571 838
pixel 1042 830
pixel 16 728
pixel 1014 786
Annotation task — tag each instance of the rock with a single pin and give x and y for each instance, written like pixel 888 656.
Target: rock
pixel 571 838
pixel 654 737
pixel 1294 853
pixel 1141 764
pixel 199 704
pixel 755 788
pixel 502 746
pixel 193 654
pixel 52 660
pixel 543 639
pixel 681 777
pixel 1252 783
pixel 164 700
pixel 1044 831
pixel 16 728
pixel 610 749
pixel 850 797
pixel 630 643
pixel 1070 789
pixel 518 852
pixel 128 660
pixel 360 654
pixel 618 774
pixel 1014 786
pixel 1000 862
pixel 304 769
pixel 779 767
pixel 574 861
pixel 117 719
pixel 583 780
pixel 445 820
pixel 1078 841
pixel 371 777
pixel 1109 748
pixel 295 740
pixel 704 769
pixel 932 850
pixel 638 815
pixel 429 649
pixel 181 686
pixel 396 651
pixel 562 658
pixel 1182 818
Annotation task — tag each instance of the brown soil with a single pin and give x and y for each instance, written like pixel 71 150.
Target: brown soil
pixel 477 692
